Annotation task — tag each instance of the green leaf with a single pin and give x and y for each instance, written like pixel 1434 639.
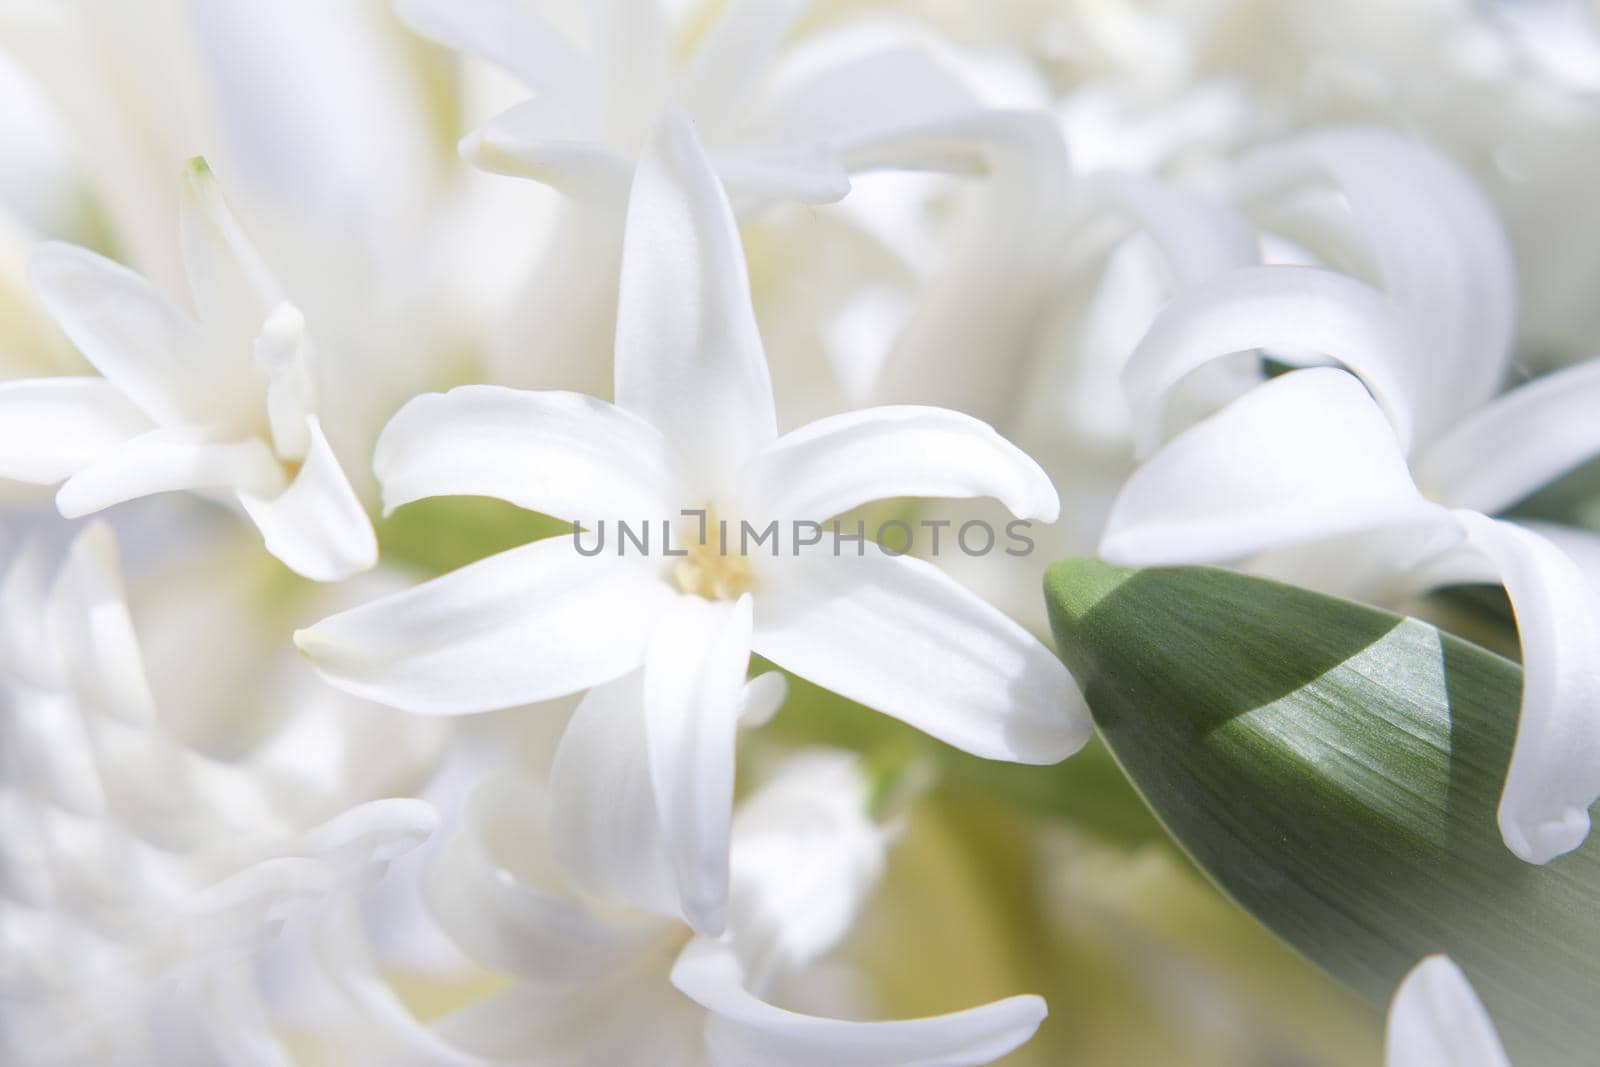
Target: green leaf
pixel 1336 770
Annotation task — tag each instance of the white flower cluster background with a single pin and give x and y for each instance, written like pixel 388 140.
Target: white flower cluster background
pixel 345 344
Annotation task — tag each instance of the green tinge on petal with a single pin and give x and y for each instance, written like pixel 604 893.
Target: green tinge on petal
pixel 1336 769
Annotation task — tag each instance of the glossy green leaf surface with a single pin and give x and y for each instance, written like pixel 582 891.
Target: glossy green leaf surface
pixel 1336 770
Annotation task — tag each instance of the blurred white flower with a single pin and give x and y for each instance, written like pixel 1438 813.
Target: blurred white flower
pixel 1436 1020
pixel 608 982
pixel 694 428
pixel 770 140
pixel 1386 476
pixel 224 403
pixel 138 877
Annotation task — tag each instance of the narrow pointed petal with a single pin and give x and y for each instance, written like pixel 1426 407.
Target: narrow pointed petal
pixel 530 624
pixel 694 672
pixel 547 141
pixel 1436 1020
pixel 563 454
pixel 51 428
pixel 1554 775
pixel 899 635
pixel 844 461
pixel 721 77
pixel 1295 309
pixel 232 287
pixel 129 331
pixel 604 824
pixel 507 33
pixel 1519 443
pixel 317 525
pixel 163 461
pixel 688 357
pixel 759 178
pixel 745 1030
pixel 1307 455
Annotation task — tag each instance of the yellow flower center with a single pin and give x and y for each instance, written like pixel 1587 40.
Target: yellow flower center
pixel 714 568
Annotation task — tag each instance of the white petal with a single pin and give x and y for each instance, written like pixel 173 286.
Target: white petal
pixel 94 631
pixel 720 79
pixel 1579 544
pixel 282 349
pixel 581 1024
pixel 1555 766
pixel 758 178
pixel 130 332
pixel 166 460
pixel 763 696
pixel 317 525
pixel 358 844
pixel 1436 1020
pixel 1292 309
pixel 1199 237
pixel 744 1030
pixel 529 624
pixel 694 671
pixel 545 140
pixel 564 454
pixel 853 101
pixel 688 356
pixel 898 635
pixel 968 345
pixel 233 288
pixel 507 33
pixel 501 898
pixel 844 461
pixel 51 428
pixel 1519 443
pixel 1438 246
pixel 1307 455
pixel 604 824
pixel 806 856
pixel 634 57
pixel 1002 144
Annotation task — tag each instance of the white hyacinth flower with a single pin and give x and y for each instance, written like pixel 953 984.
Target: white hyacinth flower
pixel 1436 1020
pixel 138 877
pixel 771 140
pixel 608 982
pixel 694 428
pixel 1386 471
pixel 221 404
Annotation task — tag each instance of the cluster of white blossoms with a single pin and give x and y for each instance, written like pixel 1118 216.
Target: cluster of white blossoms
pixel 1233 282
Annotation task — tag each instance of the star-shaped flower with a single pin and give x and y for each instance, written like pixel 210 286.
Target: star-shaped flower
pixel 806 859
pixel 222 404
pixel 694 428
pixel 771 140
pixel 1381 476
